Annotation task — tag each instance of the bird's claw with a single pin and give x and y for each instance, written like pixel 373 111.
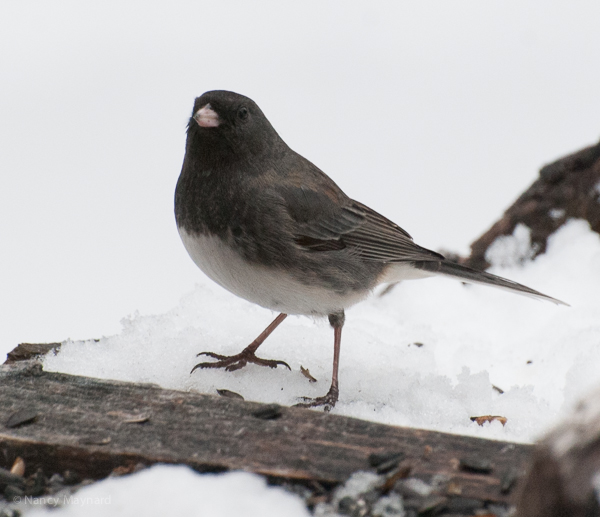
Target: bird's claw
pixel 327 401
pixel 232 363
pixel 212 354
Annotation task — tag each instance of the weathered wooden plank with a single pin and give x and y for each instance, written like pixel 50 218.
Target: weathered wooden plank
pixel 26 351
pixel 92 426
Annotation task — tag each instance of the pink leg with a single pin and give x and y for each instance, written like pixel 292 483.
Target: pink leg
pixel 235 362
pixel 329 400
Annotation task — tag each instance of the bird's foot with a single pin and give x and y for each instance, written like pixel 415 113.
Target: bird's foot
pixel 235 362
pixel 327 401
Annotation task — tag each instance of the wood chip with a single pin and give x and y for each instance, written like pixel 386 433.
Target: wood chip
pixel 139 419
pixel 230 394
pixel 130 418
pixel 476 464
pixel 385 462
pixel 18 468
pixel 306 373
pixel 403 472
pixel 454 488
pixel 21 417
pixel 268 412
pixel 480 420
pixel 30 351
pixel 95 440
pixel 123 470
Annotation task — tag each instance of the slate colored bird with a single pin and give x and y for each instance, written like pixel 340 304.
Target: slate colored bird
pixel 269 226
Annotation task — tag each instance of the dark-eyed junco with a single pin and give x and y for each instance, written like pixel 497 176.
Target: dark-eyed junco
pixel 269 226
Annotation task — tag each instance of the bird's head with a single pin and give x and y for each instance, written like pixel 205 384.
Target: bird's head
pixel 229 126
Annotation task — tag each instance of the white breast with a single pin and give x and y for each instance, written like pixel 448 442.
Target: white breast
pixel 269 287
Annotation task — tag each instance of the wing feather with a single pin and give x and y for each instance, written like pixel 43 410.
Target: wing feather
pixel 324 223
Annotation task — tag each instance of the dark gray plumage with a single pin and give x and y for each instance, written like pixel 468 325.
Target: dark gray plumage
pixel 268 225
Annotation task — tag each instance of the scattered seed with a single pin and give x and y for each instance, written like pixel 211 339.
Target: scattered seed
pixel 95 440
pixel 476 464
pixel 306 373
pixel 385 462
pixel 499 390
pixel 489 418
pixel 21 417
pixel 139 419
pixel 402 473
pixel 417 344
pixel 18 468
pixel 387 466
pixel 230 394
pixel 268 412
pixel 123 470
pixel 454 488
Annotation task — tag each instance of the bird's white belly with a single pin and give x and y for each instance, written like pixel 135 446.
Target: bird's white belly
pixel 269 287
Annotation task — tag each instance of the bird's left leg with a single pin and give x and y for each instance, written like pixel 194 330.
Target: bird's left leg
pixel 336 320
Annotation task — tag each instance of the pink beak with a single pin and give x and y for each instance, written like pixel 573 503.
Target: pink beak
pixel 207 117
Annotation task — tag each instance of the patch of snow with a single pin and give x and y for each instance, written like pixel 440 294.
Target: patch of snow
pixel 178 490
pixel 557 213
pixel 511 250
pixel 358 484
pixel 389 506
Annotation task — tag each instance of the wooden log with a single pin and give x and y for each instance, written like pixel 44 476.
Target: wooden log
pixel 63 422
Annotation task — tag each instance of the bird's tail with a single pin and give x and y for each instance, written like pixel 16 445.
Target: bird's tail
pixel 466 274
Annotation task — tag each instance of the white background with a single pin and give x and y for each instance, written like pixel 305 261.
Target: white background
pixel 437 114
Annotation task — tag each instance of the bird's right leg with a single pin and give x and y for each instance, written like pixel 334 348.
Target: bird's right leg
pixel 235 362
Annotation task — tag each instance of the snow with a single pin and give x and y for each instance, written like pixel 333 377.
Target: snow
pixel 473 337
pixel 512 249
pixel 177 490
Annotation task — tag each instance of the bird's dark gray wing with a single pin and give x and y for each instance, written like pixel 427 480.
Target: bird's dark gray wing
pixel 327 220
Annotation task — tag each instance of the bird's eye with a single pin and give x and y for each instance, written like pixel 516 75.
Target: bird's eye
pixel 243 113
